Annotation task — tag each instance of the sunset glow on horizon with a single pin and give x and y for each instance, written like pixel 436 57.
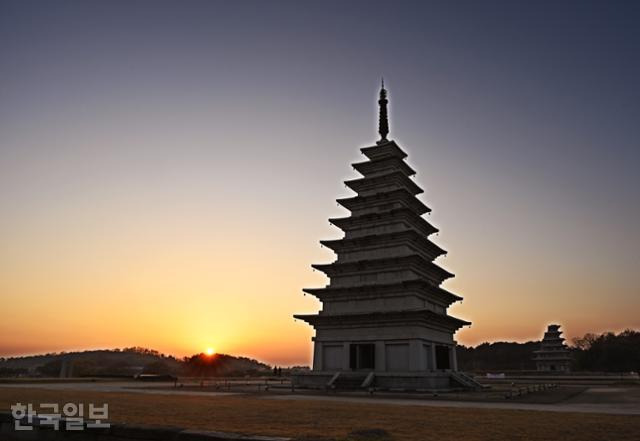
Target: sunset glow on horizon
pixel 166 174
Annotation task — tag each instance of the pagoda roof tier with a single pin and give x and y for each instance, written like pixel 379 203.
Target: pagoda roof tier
pixel 419 287
pixel 395 178
pixel 410 238
pixel 401 196
pixel 552 357
pixel 412 317
pixel 552 339
pixel 371 220
pixel 564 350
pixel 415 262
pixel 384 150
pixel 552 347
pixel 383 165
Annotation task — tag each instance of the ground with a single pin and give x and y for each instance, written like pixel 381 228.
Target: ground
pixel 335 417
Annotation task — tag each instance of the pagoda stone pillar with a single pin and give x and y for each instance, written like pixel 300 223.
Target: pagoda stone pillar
pixel 345 356
pixel 434 360
pixel 381 361
pixel 454 359
pixel 317 355
pixel 416 360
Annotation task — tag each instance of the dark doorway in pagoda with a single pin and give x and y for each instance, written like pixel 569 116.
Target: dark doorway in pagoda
pixel 442 357
pixel 362 356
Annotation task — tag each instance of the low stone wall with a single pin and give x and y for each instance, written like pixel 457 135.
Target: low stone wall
pixel 311 380
pixel 407 381
pixel 116 432
pixel 414 381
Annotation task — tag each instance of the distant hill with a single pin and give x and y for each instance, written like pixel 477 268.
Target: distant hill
pixel 125 362
pixel 222 365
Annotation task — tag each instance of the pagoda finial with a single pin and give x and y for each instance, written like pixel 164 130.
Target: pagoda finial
pixel 383 121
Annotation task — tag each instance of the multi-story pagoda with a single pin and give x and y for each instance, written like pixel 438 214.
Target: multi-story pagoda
pixel 384 314
pixel 553 354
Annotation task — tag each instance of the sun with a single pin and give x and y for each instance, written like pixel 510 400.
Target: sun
pixel 211 351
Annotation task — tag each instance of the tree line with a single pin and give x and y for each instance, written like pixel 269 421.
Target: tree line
pixel 607 352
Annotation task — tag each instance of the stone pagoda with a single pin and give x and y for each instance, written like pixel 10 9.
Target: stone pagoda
pixel 553 355
pixel 384 320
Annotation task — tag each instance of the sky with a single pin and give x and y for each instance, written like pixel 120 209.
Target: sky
pixel 167 168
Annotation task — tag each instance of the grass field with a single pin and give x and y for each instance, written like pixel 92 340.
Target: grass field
pixel 335 420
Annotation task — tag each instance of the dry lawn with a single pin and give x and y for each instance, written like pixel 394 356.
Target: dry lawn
pixel 334 420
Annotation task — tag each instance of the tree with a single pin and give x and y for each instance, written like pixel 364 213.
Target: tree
pixel 608 352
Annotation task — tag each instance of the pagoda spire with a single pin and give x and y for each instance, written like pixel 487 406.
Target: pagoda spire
pixel 383 121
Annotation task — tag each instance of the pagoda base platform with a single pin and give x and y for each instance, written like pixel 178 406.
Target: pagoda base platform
pixel 388 381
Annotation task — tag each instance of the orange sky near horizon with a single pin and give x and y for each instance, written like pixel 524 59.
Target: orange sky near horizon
pixel 178 260
pixel 179 286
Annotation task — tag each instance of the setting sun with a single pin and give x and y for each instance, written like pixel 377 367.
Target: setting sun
pixel 211 351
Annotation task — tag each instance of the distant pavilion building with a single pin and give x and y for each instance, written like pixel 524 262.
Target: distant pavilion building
pixel 553 354
pixel 384 318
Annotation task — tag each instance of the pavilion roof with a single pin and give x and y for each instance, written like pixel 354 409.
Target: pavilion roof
pixel 384 218
pixel 419 287
pixel 415 262
pixel 411 238
pixel 402 196
pixel 384 150
pixel 382 164
pixel 420 317
pixel 396 177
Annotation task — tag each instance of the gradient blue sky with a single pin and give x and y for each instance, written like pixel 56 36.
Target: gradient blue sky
pixel 171 165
